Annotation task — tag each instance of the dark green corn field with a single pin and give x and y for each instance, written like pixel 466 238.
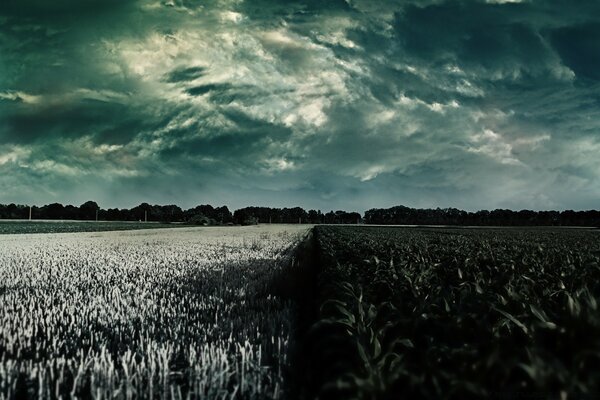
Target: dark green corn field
pixel 455 313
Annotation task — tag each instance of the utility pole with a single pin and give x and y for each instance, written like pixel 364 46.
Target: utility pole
pixel 30 213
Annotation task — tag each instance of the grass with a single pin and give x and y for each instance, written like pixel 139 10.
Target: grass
pixel 25 226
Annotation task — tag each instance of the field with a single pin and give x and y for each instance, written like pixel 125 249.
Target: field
pixel 37 226
pixel 456 313
pixel 177 313
pixel 269 312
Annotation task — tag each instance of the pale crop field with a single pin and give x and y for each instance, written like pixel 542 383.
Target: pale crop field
pixel 185 313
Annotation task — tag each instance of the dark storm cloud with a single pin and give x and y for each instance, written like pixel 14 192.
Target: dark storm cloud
pixel 63 8
pixel 204 89
pixel 579 47
pixel 330 104
pixel 500 38
pixel 186 74
pixel 25 126
pixel 240 143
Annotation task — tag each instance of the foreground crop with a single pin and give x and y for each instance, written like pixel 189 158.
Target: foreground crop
pixel 159 314
pixel 424 313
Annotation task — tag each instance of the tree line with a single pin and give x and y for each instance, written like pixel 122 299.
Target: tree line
pixel 209 215
pixel 401 215
pixel 200 215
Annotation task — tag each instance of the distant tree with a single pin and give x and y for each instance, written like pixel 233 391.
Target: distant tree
pixel 13 211
pixel 451 216
pixel 223 215
pixel 141 212
pixel 54 211
pixel 70 212
pixel 171 213
pixel 87 210
pixel 315 217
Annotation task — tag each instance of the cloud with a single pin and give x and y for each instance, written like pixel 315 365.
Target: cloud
pixel 579 48
pixel 20 97
pixel 338 104
pixel 185 74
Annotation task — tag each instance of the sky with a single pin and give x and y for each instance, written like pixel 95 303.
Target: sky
pixel 333 104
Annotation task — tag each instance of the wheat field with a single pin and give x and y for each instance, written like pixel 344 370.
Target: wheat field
pixel 174 314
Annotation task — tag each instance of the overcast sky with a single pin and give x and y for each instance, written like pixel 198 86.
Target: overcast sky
pixel 327 104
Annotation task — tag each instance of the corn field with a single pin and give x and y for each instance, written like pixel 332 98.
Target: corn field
pixel 162 314
pixel 456 313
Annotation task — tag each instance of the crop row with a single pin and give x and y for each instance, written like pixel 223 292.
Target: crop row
pixel 441 313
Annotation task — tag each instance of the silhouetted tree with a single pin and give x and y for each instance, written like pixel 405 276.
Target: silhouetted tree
pixel 88 210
